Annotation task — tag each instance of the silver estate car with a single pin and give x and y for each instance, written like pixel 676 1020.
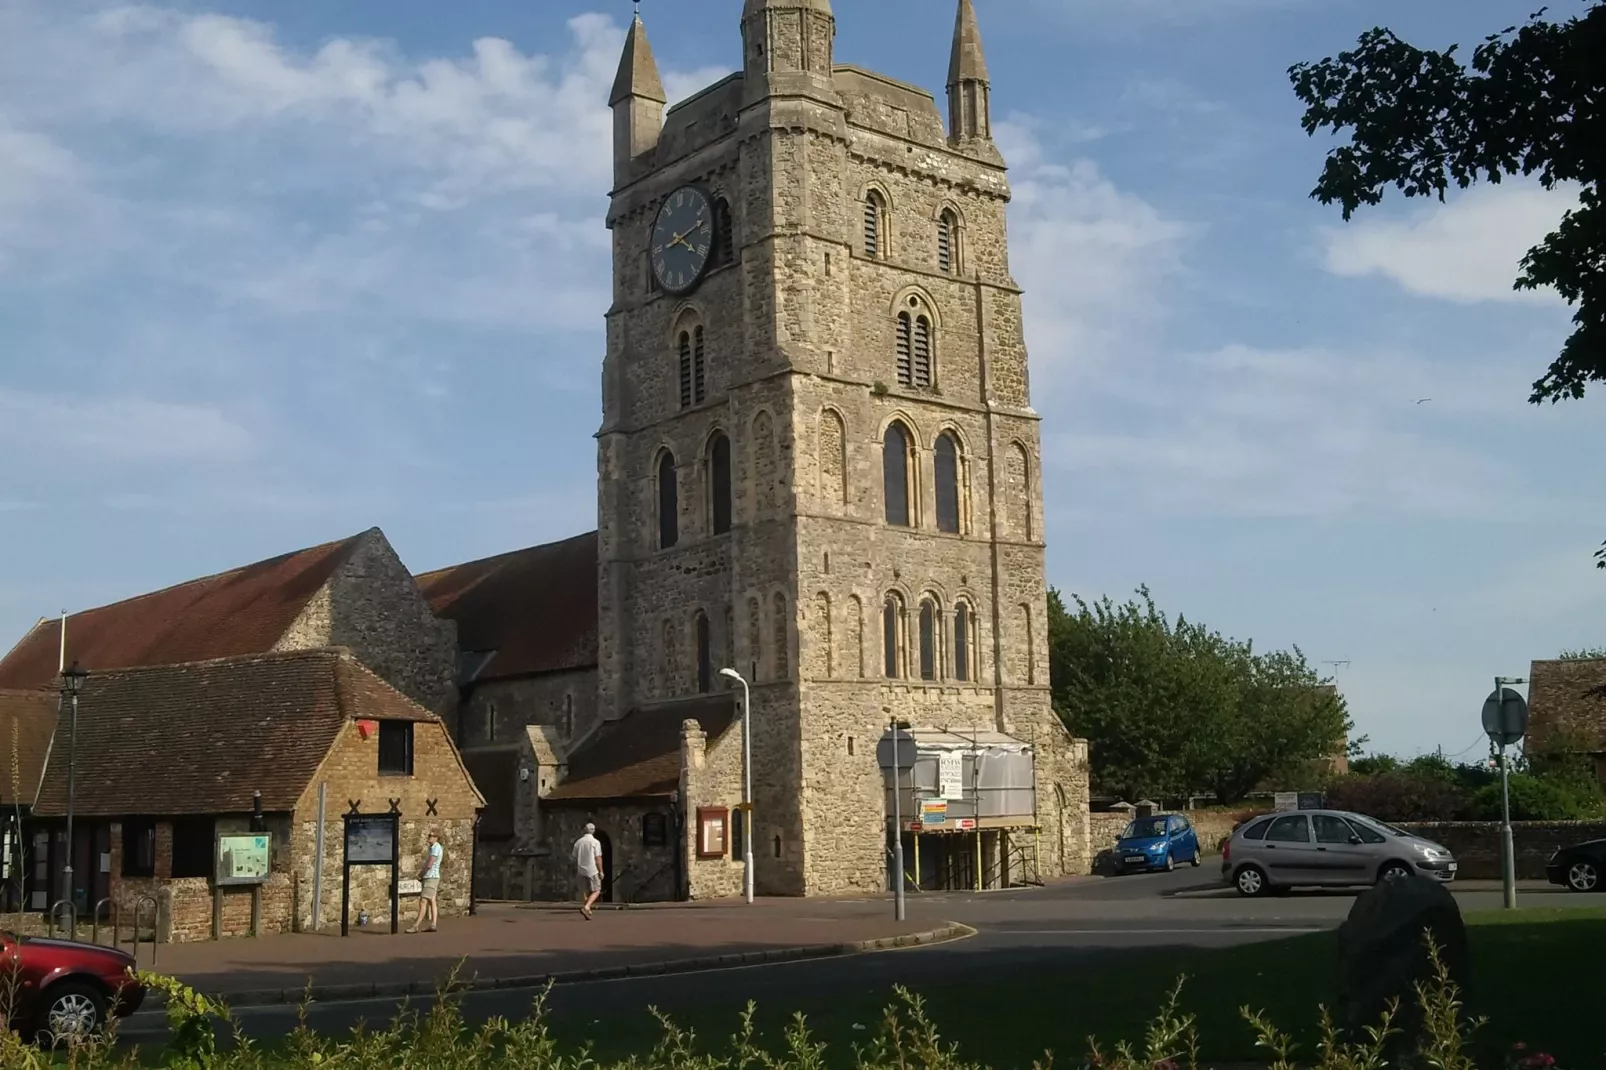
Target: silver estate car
pixel 1329 848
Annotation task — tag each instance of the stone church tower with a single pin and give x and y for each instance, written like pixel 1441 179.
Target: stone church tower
pixel 818 460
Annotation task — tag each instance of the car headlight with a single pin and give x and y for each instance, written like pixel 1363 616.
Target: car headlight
pixel 1432 853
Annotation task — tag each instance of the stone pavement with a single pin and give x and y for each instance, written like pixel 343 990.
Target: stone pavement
pixel 507 945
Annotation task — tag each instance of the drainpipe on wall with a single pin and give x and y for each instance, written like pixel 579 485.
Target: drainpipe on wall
pixel 474 868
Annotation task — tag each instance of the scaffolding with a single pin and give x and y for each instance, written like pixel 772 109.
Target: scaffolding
pixel 969 805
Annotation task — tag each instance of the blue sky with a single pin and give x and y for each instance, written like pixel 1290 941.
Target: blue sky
pixel 273 273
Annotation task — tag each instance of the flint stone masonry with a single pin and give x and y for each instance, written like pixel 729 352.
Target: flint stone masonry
pixel 1567 706
pixel 372 606
pixel 802 378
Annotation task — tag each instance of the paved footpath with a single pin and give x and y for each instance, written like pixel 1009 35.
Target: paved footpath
pixel 506 945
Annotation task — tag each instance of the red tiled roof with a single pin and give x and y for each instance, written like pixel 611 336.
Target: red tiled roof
pixel 199 738
pixel 26 719
pixel 639 755
pixel 243 611
pixel 534 610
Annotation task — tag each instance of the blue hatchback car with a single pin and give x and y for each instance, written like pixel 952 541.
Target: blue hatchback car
pixel 1156 843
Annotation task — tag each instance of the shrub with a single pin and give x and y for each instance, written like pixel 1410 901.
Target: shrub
pixel 1534 799
pixel 1401 796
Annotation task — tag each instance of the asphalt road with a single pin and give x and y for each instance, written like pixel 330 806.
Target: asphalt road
pixel 1015 931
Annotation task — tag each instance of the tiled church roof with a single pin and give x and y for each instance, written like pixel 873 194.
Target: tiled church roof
pixel 242 611
pixel 26 717
pixel 532 610
pixel 639 755
pixel 199 738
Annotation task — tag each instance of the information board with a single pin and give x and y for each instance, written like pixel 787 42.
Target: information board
pixel 244 858
pixel 370 839
pixel 951 775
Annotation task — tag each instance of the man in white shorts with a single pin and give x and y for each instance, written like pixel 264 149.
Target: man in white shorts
pixel 588 866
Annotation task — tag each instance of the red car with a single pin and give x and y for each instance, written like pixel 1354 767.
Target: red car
pixel 61 988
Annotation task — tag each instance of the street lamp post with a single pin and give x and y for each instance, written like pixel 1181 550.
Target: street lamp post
pixel 897 826
pixel 72 682
pixel 747 782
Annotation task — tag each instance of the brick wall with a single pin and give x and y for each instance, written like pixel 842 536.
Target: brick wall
pixel 352 773
pixel 1476 844
pixel 710 775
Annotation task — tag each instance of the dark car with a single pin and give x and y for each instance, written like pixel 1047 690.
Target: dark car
pixel 62 989
pixel 1578 868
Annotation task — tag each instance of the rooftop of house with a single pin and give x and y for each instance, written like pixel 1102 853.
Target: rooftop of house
pixel 242 611
pixel 27 718
pixel 638 756
pixel 526 612
pixel 201 737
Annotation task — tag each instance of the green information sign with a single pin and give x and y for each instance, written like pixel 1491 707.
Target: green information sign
pixel 244 858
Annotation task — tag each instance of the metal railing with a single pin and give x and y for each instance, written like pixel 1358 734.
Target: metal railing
pixel 94 921
pixel 156 921
pixel 72 918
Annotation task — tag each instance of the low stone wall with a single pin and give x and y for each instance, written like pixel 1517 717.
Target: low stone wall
pixel 1476 844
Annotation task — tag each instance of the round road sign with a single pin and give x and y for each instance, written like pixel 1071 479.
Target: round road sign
pixel 1505 716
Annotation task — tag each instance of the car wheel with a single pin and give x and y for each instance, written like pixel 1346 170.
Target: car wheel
pixel 72 1012
pixel 1583 877
pixel 1170 863
pixel 1250 882
pixel 1393 871
pixel 1195 861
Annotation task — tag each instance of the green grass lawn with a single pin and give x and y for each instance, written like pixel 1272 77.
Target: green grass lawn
pixel 1538 976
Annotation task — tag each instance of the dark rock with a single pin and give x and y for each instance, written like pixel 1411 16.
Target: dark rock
pixel 1383 953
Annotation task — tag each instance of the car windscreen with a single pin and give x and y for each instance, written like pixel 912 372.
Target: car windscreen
pixel 1380 826
pixel 1144 829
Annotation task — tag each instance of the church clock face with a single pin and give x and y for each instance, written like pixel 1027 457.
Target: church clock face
pixel 682 239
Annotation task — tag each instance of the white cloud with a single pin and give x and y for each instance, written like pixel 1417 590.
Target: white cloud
pixel 1468 249
pixel 1095 261
pixel 1241 431
pixel 119 429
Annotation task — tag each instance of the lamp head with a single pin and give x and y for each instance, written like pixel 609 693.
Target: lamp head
pixel 72 679
pixel 732 673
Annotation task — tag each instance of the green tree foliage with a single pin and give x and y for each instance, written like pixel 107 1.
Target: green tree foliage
pixel 1585 654
pixel 1172 707
pixel 1531 102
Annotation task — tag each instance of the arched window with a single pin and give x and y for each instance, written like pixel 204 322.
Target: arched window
pixel 783 668
pixel 892 637
pixel 730 638
pixel 719 483
pixel 948 242
pixel 668 503
pixel 928 640
pixel 705 655
pixel 568 716
pixel 699 376
pixel 754 639
pixel 945 461
pixel 693 368
pixel 875 211
pixel 685 369
pixel 961 642
pixel 914 349
pixel 895 474
pixel 724 234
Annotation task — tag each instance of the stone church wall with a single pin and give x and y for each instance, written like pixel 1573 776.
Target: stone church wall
pixel 373 606
pixel 711 777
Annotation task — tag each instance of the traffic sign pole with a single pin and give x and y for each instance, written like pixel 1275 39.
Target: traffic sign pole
pixel 1505 720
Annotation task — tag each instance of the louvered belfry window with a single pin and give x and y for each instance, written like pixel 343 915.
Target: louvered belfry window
pixel 699 378
pixel 872 224
pixel 905 349
pixel 945 243
pixel 922 351
pixel 685 370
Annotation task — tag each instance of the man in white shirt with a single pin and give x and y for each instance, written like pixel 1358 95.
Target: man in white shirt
pixel 588 865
